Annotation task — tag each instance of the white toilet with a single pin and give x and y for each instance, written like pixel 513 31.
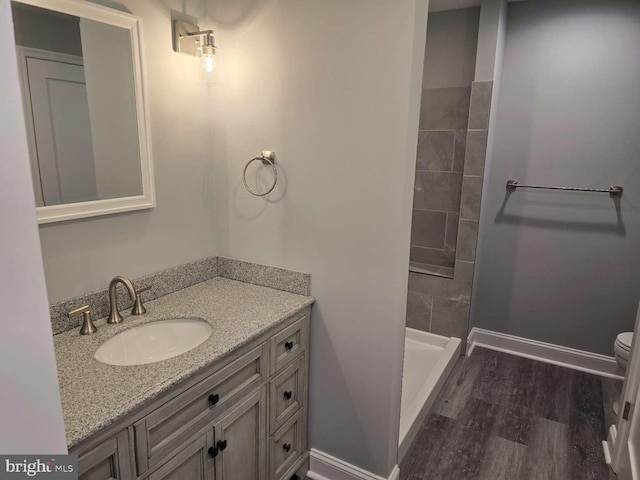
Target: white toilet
pixel 622 351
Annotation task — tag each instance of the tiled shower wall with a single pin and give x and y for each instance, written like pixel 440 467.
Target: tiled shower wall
pixel 438 185
pixel 441 305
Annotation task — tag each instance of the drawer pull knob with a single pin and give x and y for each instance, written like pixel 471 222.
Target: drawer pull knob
pixel 222 444
pixel 288 345
pixel 286 447
pixel 214 398
pixel 287 395
pixel 213 452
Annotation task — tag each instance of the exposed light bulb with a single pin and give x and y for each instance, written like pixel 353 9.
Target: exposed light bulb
pixel 208 52
pixel 209 63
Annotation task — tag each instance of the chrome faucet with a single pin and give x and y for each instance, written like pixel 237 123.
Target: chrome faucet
pixel 114 314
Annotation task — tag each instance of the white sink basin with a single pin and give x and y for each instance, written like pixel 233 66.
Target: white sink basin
pixel 154 341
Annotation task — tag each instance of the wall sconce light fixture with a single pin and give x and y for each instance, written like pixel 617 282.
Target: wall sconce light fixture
pixel 189 39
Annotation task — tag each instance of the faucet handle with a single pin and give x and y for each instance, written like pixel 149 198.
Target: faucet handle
pixel 138 307
pixel 87 324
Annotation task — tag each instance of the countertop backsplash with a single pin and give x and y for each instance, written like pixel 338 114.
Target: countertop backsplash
pixel 178 278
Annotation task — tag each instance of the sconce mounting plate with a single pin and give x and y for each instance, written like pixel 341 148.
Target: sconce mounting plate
pixel 184 40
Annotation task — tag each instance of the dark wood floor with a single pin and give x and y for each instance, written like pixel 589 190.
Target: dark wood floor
pixel 502 417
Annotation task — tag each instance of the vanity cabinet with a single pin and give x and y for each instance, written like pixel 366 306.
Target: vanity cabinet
pixel 244 419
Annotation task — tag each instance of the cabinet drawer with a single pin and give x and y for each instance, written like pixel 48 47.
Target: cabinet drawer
pixel 286 445
pixel 288 345
pixel 286 394
pixel 163 430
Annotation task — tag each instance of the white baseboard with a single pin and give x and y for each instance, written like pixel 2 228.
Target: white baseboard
pixel 607 453
pixel 545 352
pixel 610 444
pixel 395 473
pixel 323 466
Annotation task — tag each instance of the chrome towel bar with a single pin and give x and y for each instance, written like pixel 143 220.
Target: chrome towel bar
pixel 614 190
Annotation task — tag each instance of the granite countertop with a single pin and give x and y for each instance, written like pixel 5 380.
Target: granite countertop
pixel 95 395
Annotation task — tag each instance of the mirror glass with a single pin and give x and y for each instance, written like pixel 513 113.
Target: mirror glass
pixel 82 107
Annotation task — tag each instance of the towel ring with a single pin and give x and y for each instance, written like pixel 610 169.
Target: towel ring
pixel 268 158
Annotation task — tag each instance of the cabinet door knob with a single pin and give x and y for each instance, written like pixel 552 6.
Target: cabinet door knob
pixel 288 345
pixel 286 447
pixel 213 452
pixel 222 444
pixel 287 395
pixel 213 398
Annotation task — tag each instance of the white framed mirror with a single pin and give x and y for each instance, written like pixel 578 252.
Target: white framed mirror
pixel 85 103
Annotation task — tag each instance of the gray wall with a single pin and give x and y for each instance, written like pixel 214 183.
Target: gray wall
pixel 83 255
pixel 489 64
pixel 564 267
pixel 490 40
pixel 342 206
pixel 450 54
pixel 40 28
pixel 30 411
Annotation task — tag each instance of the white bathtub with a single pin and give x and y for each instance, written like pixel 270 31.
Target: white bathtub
pixel 428 361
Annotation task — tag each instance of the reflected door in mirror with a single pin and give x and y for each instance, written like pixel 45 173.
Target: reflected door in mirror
pixel 60 111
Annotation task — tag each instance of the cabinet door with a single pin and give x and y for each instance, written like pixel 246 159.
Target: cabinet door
pixel 108 461
pixel 242 441
pixel 192 463
pixel 173 424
